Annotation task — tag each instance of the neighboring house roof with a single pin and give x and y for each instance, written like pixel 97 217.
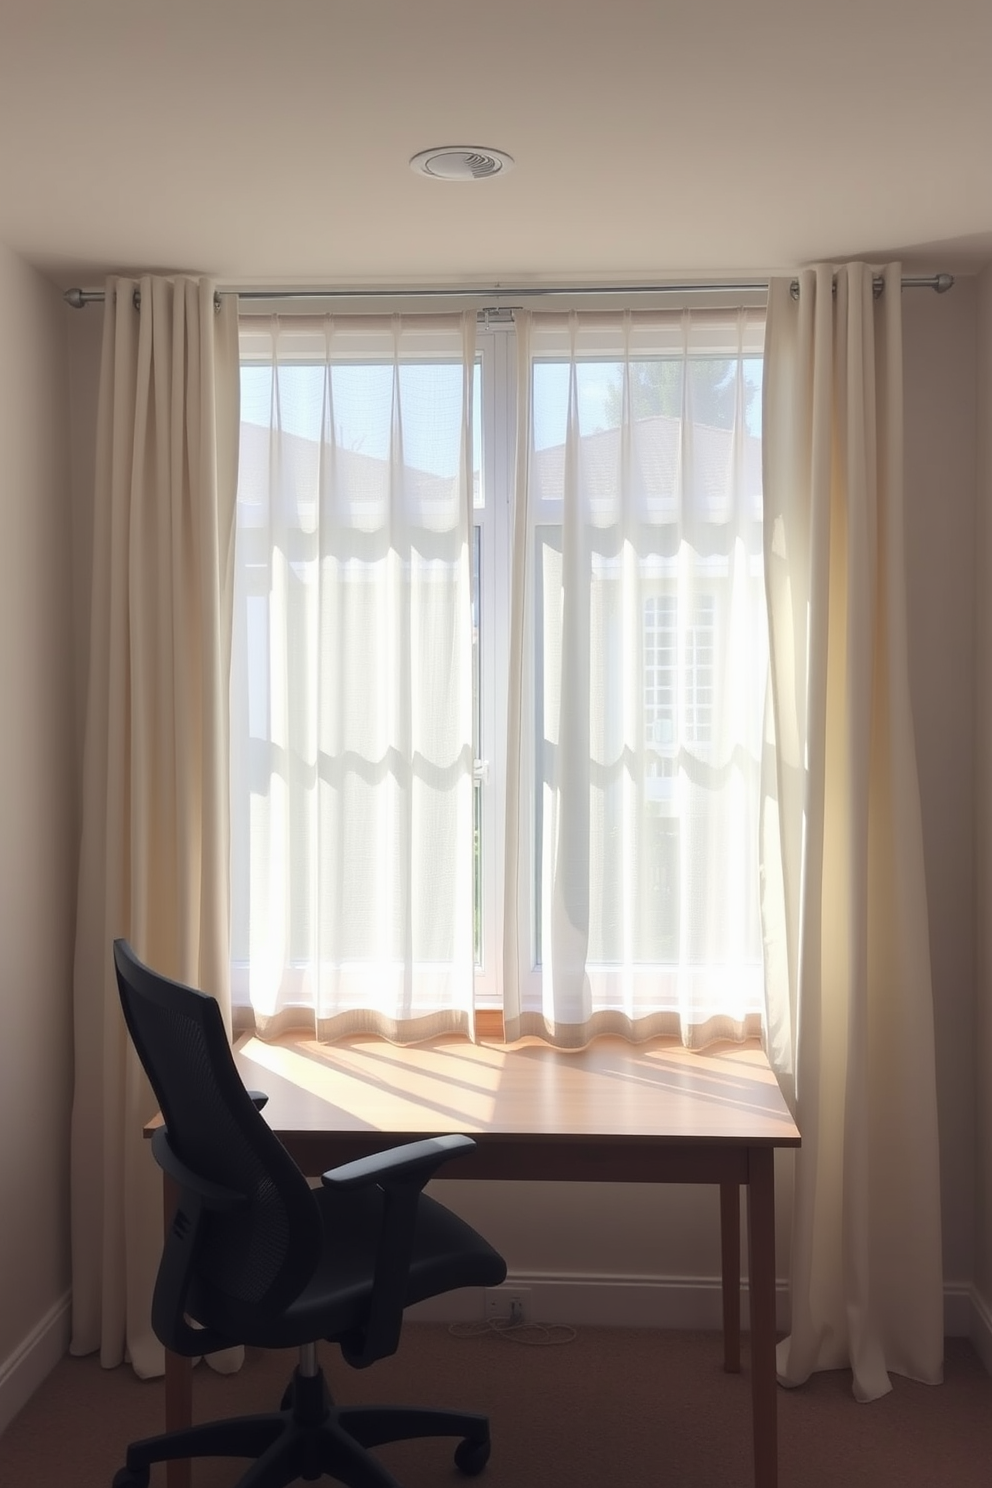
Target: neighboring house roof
pixel 708 470
pixel 704 467
pixel 304 463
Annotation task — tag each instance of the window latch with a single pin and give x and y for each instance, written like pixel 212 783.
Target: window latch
pixel 480 770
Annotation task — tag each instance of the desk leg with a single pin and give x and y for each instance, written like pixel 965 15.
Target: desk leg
pixel 178 1377
pixel 761 1259
pixel 730 1256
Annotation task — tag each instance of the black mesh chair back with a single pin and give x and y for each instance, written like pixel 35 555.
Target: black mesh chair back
pixel 254 1255
pixel 263 1252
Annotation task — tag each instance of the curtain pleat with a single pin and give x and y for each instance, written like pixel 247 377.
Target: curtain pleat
pixel 352 681
pixel 849 1001
pixel 154 850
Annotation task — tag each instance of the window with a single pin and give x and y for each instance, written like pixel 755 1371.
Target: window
pixel 658 441
pixel 641 678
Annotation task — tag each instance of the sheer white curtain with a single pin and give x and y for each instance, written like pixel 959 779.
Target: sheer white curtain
pixel 352 677
pixel 850 1017
pixel 153 860
pixel 638 661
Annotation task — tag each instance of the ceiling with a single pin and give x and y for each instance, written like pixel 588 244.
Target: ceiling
pixel 266 142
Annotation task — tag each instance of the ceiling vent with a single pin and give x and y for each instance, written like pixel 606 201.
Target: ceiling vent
pixel 461 163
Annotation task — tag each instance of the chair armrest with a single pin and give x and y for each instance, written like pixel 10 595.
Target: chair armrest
pixel 401 1172
pixel 175 1270
pixel 212 1195
pixel 411 1161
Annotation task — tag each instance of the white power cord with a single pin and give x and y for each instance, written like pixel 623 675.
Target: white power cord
pixel 515 1330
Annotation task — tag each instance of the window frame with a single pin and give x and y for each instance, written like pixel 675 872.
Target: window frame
pixel 492 523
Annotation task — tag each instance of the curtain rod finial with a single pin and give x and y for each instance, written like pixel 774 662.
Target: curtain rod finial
pixel 75 298
pixel 943 283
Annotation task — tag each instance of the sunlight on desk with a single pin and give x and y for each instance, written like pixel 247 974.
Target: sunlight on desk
pixel 657 1091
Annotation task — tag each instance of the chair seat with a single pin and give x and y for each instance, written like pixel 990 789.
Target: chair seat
pixel 447 1253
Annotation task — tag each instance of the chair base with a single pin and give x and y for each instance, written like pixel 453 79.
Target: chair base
pixel 311 1438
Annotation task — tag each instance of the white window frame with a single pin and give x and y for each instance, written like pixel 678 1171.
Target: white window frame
pixel 656 984
pixel 492 519
pixel 494 347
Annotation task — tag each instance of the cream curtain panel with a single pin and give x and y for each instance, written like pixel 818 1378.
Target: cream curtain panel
pixel 638 659
pixel 352 682
pixel 154 839
pixel 850 1018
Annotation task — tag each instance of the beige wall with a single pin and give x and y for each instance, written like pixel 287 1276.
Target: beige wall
pixel 940 362
pixel 983 813
pixel 37 806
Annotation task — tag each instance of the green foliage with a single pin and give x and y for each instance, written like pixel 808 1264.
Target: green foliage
pixel 658 386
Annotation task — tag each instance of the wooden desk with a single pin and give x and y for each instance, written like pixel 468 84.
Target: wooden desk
pixel 614 1113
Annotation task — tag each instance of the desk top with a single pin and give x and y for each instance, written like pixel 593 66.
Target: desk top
pixel 610 1093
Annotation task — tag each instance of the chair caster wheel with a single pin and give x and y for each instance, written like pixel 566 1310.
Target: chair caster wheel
pixel 132 1477
pixel 472 1456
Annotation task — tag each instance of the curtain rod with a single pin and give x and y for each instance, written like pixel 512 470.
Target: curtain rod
pixel 80 298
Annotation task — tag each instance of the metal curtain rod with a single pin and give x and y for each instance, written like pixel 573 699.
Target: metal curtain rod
pixel 79 298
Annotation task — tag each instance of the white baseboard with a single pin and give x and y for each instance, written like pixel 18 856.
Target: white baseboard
pixel 582 1301
pixel 605 1302
pixel 959 1309
pixel 980 1331
pixel 36 1356
pixel 670 1302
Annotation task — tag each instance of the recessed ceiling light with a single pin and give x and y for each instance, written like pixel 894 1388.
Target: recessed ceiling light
pixel 461 163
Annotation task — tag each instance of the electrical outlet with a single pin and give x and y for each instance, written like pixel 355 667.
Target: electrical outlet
pixel 507 1303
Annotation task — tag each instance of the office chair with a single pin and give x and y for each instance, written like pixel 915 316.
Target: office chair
pixel 255 1256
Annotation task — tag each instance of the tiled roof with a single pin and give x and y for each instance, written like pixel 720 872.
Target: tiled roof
pixel 709 466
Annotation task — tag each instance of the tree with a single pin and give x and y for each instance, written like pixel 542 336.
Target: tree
pixel 656 387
